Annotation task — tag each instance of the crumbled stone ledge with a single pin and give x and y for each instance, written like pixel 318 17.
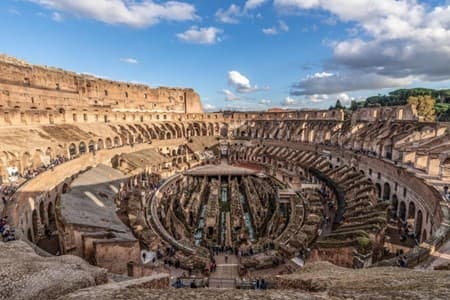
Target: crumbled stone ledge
pixel 26 275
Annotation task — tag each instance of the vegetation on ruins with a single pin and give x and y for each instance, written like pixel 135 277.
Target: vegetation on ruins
pixel 431 104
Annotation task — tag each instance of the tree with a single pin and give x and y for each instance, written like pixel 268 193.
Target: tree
pixel 353 105
pixel 424 106
pixel 338 105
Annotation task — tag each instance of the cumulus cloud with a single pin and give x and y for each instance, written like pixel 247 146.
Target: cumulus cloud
pixel 204 35
pixel 288 101
pixel 209 107
pixel 349 81
pixel 316 98
pixel 230 15
pixel 241 83
pixel 392 43
pixel 229 95
pixel 265 101
pixel 280 27
pixel 129 60
pixel 252 4
pixel 131 13
pixel 234 12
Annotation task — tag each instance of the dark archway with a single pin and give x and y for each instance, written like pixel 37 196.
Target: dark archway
pixel 411 212
pixel 418 225
pixel 386 191
pixel 34 219
pixel 72 149
pixel 402 211
pixel 394 204
pixel 378 189
pixel 42 212
pixel 82 147
pixel 51 217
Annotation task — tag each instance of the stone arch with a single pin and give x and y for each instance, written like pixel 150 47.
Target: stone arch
pixel 34 224
pixel 108 143
pixel 82 147
pixel 139 139
pixel 65 188
pixel 26 161
pixel 386 191
pixel 49 152
pixel 51 216
pixel 402 211
pixel 411 212
pixel 42 212
pixel 72 150
pixel 418 225
pixel 394 203
pixel 29 235
pixel 378 190
pixel 91 146
pixel 100 144
pixel 116 141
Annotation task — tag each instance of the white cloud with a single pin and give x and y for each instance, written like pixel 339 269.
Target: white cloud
pixel 57 17
pixel 241 83
pixel 345 98
pixel 288 101
pixel 131 13
pixel 230 15
pixel 203 35
pixel 252 4
pixel 348 81
pixel 393 43
pixel 129 60
pixel 229 96
pixel 265 101
pixel 234 12
pixel 209 107
pixel 280 27
pixel 317 98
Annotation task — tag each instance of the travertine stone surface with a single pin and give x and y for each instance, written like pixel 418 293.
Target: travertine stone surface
pixel 26 275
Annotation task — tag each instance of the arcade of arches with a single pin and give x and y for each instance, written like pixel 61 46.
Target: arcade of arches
pixel 141 191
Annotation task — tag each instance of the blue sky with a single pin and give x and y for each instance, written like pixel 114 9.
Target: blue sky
pixel 251 54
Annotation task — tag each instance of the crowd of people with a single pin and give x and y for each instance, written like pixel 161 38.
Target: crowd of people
pixel 29 174
pixel 7 232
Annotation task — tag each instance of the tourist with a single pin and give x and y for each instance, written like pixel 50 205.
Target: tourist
pixel 178 283
pixel 226 258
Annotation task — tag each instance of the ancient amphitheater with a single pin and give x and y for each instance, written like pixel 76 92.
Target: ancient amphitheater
pixel 114 190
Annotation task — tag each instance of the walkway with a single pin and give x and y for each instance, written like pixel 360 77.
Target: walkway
pixel 438 258
pixel 226 272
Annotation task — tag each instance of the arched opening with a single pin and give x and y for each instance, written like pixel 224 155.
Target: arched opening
pixel 224 131
pixel 116 141
pixel 108 143
pixel 411 213
pixel 29 235
pixel 402 211
pixel 34 219
pixel 91 146
pixel 386 191
pixel 418 226
pixel 72 150
pixel 51 217
pixel 394 204
pixel 42 212
pixel 82 147
pixel 378 190
pixel 65 188
pixel 100 144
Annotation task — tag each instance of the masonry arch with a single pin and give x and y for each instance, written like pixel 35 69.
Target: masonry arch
pixel 82 147
pixel 108 143
pixel 418 225
pixel 378 190
pixel 411 212
pixel 116 141
pixel 42 212
pixel 72 150
pixel 402 211
pixel 34 223
pixel 394 203
pixel 91 146
pixel 51 216
pixel 386 191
